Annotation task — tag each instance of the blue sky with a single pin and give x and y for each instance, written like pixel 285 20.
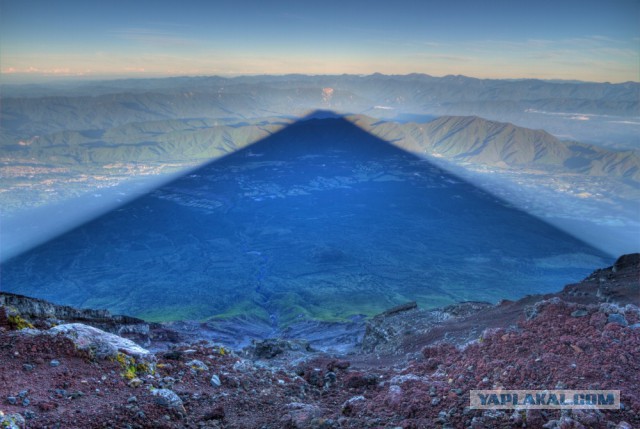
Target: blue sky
pixel 561 39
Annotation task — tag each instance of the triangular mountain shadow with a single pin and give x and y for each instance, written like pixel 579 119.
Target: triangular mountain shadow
pixel 320 220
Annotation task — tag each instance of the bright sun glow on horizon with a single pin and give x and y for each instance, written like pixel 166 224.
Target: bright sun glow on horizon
pixel 574 40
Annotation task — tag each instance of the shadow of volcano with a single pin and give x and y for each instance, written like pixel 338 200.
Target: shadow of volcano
pixel 319 221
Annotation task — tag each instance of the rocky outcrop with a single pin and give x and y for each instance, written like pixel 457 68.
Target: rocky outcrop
pixel 44 314
pixel 387 333
pixel 619 284
pixel 272 347
pixel 407 329
pixel 41 309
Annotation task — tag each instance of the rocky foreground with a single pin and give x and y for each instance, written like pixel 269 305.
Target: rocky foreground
pixel 407 368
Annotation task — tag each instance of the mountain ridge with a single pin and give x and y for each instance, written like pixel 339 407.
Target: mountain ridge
pixel 487 142
pixel 29 111
pixel 463 138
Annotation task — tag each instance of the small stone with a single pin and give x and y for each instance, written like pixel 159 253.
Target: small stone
pixel 27 367
pixel 579 313
pixel 635 326
pixel 29 415
pixel 47 406
pixel 577 349
pixel 12 400
pixel 457 391
pixel 23 393
pixel 330 378
pixel 349 407
pixel 623 425
pixel 135 382
pixel 132 399
pixel 167 381
pixel 269 348
pixel 167 398
pixel 242 366
pixel 76 395
pixel 435 401
pixel 617 318
pixel 26 402
pixel 54 363
pixel 215 414
pixel 197 365
pixel 442 417
pixel 173 355
pixel 215 381
pixel 358 380
pixel 314 377
pixel 395 394
pixel 11 421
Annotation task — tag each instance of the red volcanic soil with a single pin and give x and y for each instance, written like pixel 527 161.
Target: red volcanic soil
pixel 550 342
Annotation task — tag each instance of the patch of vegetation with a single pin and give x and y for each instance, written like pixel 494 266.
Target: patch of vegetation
pixel 16 322
pixel 131 368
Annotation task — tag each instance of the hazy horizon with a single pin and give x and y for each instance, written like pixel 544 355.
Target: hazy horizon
pixel 39 79
pixel 573 40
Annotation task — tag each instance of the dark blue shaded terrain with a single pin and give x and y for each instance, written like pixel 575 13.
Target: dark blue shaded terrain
pixel 318 221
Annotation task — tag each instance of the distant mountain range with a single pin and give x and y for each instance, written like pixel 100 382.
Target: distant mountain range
pixel 595 112
pixel 458 138
pixel 475 140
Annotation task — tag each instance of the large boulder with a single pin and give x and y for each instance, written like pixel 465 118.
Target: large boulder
pixel 99 343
